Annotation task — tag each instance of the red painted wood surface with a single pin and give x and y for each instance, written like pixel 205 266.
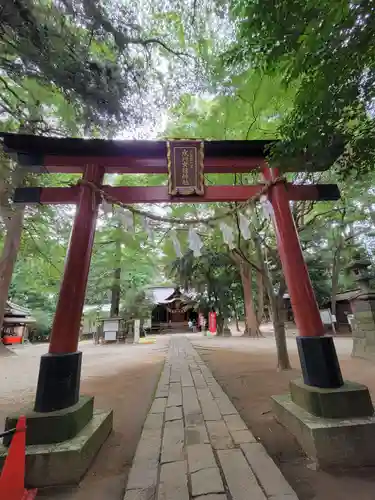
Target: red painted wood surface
pixel 305 308
pixel 212 322
pixel 67 321
pixel 159 194
pixel 12 478
pixel 133 165
pixel 12 339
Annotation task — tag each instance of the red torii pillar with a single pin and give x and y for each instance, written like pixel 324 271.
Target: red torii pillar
pixel 319 362
pixel 60 369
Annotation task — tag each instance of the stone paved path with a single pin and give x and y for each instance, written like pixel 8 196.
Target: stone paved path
pixel 195 445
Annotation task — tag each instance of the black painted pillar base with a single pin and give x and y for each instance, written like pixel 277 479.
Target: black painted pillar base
pixel 319 362
pixel 58 382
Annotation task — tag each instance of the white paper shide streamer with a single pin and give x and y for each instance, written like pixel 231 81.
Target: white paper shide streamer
pixel 126 218
pixel 195 243
pixel 106 207
pixel 266 206
pixel 228 235
pixel 147 228
pixel 176 244
pixel 243 222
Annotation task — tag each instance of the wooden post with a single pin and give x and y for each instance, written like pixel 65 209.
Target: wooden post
pixel 60 369
pixel 317 352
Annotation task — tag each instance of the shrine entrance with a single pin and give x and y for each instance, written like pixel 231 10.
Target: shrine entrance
pixel 185 163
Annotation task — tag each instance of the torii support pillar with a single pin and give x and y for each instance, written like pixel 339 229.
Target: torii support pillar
pixel 60 369
pixel 321 409
pixel 320 366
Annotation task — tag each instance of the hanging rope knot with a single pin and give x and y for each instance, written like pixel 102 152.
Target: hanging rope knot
pixel 268 184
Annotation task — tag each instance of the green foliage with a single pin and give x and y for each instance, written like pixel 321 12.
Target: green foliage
pixel 213 276
pixel 327 49
pixel 92 58
pixel 116 248
pixel 250 106
pixel 137 304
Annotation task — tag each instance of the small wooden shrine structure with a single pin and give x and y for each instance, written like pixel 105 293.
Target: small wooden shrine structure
pixel 172 310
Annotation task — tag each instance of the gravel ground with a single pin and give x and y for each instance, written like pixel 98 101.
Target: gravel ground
pixel 19 373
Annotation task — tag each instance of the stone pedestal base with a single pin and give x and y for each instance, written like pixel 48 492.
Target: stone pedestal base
pixel 351 400
pixel 61 445
pixel 330 442
pixel 55 426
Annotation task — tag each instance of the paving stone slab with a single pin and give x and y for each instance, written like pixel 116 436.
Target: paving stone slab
pixel 196 434
pixel 190 401
pixel 149 445
pixel 240 437
pixel 173 482
pixel 210 410
pixel 212 497
pixel 219 435
pixel 186 378
pixel 143 474
pixel 158 406
pixel 173 413
pixel 267 472
pixel 173 442
pixel 240 478
pixel 283 497
pixel 215 388
pixel 199 380
pixel 206 481
pixel 153 421
pixel 175 375
pixel 163 392
pixel 193 419
pixel 148 450
pixel 175 395
pixel 143 494
pixel 225 406
pixel 235 423
pixel 200 456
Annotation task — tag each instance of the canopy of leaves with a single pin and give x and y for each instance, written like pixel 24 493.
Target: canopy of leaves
pixel 95 55
pixel 327 47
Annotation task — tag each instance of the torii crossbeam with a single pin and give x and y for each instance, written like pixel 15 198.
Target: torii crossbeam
pixel 59 376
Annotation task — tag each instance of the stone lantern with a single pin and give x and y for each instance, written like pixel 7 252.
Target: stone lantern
pixel 359 269
pixel 363 307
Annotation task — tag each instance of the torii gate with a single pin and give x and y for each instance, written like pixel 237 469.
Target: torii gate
pixel 60 369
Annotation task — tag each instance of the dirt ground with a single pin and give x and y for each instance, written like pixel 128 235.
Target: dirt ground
pixel 120 377
pixel 246 371
pixel 124 378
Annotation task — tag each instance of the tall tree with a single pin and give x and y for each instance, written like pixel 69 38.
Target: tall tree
pixel 326 50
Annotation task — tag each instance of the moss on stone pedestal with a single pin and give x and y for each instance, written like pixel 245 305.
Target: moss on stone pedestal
pixel 65 463
pixel 56 426
pixel 348 401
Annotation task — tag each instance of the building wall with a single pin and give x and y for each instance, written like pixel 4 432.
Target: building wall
pixel 342 310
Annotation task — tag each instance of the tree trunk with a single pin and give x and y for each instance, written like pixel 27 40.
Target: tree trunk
pixel 219 325
pixel 276 305
pixel 251 329
pixel 236 315
pixel 283 362
pixel 116 286
pixel 335 279
pixel 9 256
pixel 260 305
